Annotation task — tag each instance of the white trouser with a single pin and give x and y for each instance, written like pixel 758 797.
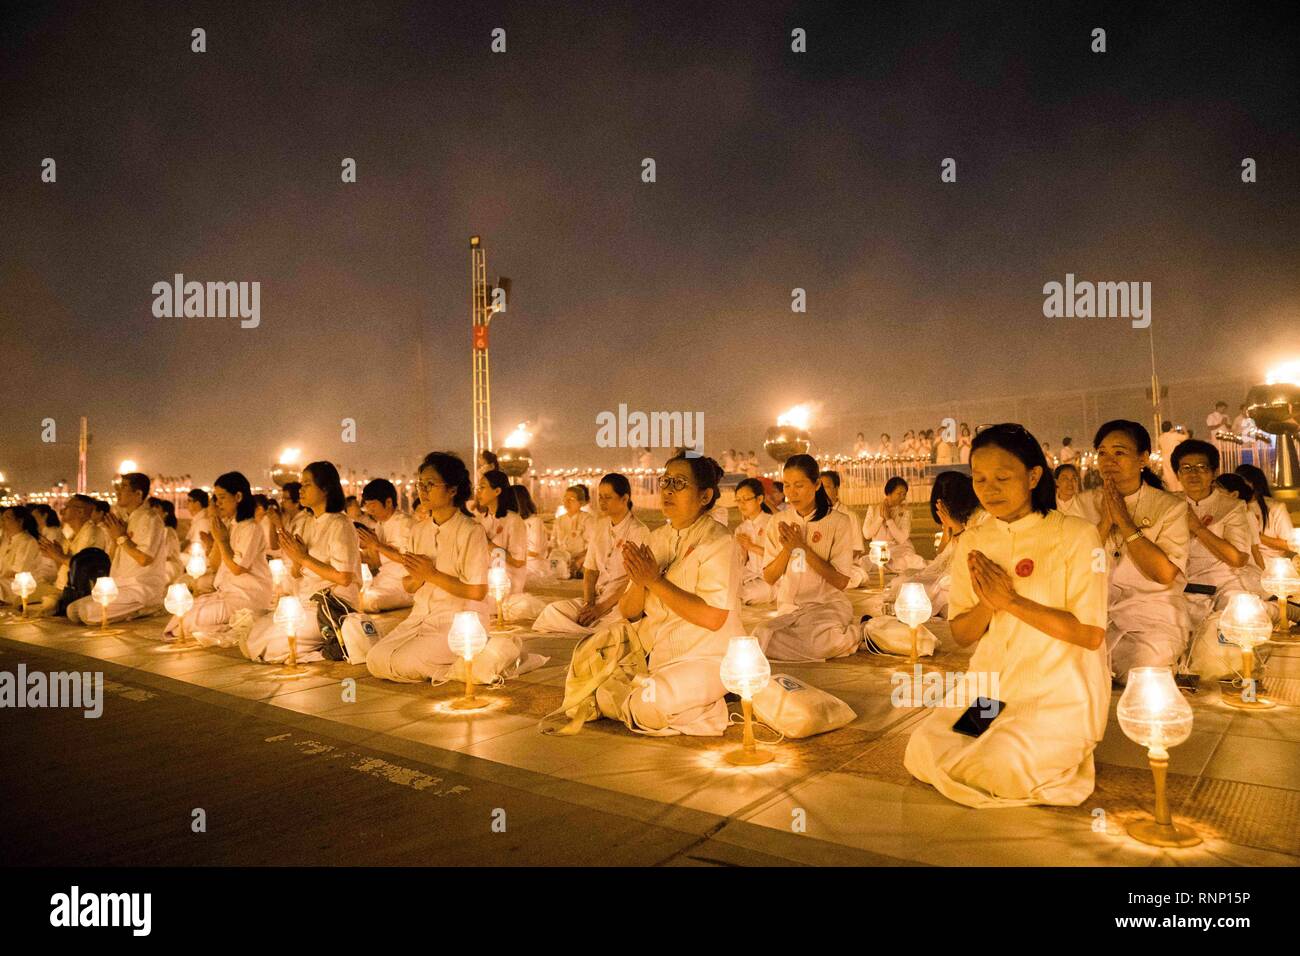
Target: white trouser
pixel 416 650
pixel 131 601
pixel 385 593
pixel 268 641
pixel 561 617
pixel 756 591
pixel 815 632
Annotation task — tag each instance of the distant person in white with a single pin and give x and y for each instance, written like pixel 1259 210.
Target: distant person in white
pixel 1170 438
pixel 383 547
pixel 891 522
pixel 1218 419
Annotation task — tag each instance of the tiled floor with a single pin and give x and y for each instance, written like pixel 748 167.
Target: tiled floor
pixel 1237 779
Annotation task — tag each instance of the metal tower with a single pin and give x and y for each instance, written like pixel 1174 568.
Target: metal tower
pixel 485 301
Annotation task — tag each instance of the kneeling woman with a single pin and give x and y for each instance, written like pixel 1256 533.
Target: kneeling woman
pixel 447 571
pixel 815 619
pixel 750 535
pixel 243 578
pixel 603 576
pixel 659 674
pixel 1024 589
pixel 326 557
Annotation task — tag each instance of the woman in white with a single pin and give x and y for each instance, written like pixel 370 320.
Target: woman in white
pixel 1237 487
pixel 661 674
pixel 166 513
pixel 384 547
pixel 1269 515
pixel 1068 499
pixel 572 531
pixel 963 444
pixel 954 507
pixel 1144 531
pixel 508 540
pixel 886 445
pixel 891 522
pixel 860 448
pixel 1024 590
pixel 815 620
pixel 243 578
pixel 750 536
pixel 326 558
pixel 538 570
pixel 909 447
pixel 446 570
pixel 21 552
pixel 604 578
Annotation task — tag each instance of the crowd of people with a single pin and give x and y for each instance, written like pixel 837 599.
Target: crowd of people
pixel 1061 589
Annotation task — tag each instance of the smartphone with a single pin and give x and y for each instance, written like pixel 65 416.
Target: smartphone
pixel 978 716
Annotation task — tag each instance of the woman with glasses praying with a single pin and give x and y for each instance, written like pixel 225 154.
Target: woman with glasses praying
pixel 1143 529
pixel 750 536
pixel 808 558
pixel 659 673
pixel 604 578
pixel 446 570
pixel 326 558
pixel 1025 592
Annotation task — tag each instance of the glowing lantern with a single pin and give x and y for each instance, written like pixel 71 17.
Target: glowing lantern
pixel 179 601
pixel 1282 580
pixel 104 592
pixel 197 564
pixel 24 585
pixel 745 671
pixel 499 587
pixel 289 614
pixel 466 639
pixel 1245 622
pixel 913 608
pixel 1153 713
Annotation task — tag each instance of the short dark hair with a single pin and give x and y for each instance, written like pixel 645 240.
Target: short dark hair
pixel 581 491
pixel 1194 446
pixel 453 472
pixel 1015 439
pixel 834 477
pixel 137 482
pixel 1141 439
pixel 199 495
pixel 292 489
pixel 756 488
pixel 812 471
pixel 895 482
pixel 381 490
pixel 1237 485
pixel 498 479
pixel 1056 473
pixel 524 500
pixel 705 472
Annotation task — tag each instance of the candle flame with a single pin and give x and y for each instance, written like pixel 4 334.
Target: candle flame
pixel 290 456
pixel 1288 373
pixel 520 437
pixel 127 467
pixel 798 416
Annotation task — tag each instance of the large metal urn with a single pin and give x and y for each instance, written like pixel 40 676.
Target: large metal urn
pixel 1276 410
pixel 282 474
pixel 784 441
pixel 515 462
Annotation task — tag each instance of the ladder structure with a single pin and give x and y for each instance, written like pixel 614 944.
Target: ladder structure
pixel 485 301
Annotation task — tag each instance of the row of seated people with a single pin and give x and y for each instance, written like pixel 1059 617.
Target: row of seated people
pixel 659 607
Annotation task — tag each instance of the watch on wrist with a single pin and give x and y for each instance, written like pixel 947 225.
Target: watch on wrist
pixel 122 539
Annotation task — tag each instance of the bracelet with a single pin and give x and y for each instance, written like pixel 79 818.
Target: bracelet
pixel 1135 534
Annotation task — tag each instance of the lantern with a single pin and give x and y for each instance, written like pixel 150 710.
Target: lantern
pixel 745 671
pixel 498 583
pixel 104 592
pixel 913 608
pixel 289 614
pixel 179 601
pixel 1245 622
pixel 466 639
pixel 24 585
pixel 1154 714
pixel 1282 580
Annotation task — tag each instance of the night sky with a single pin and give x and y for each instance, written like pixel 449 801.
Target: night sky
pixel 775 170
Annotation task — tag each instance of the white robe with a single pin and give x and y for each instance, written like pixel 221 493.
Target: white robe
pixel 605 557
pixel 387 591
pixel 897 533
pixel 753 589
pixel 1147 622
pixel 332 540
pixel 682 692
pixel 417 650
pixel 233 592
pixel 140 588
pixel 815 621
pixel 1038 750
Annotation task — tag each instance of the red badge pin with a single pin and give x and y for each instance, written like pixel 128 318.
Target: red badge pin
pixel 817 536
pixel 1024 567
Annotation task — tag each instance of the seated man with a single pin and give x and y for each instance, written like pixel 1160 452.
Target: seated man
pixel 382 548
pixel 139 554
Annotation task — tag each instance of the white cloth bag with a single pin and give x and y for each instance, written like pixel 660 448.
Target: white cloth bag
pixel 889 635
pixel 795 709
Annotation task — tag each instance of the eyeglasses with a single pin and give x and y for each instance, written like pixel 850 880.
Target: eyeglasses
pixel 675 482
pixel 430 485
pixel 745 500
pixel 1193 469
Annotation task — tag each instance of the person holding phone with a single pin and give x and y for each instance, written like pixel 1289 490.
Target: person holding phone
pixel 1026 591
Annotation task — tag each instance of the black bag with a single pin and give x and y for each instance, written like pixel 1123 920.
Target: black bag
pixel 86 567
pixel 330 612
